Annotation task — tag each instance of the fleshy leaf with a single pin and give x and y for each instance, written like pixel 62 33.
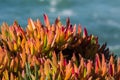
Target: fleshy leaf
pixel 85 34
pixel 89 67
pixel 46 21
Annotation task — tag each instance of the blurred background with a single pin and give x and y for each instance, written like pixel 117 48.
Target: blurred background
pixel 100 17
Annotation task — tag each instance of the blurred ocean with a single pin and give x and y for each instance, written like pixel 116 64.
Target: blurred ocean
pixel 100 17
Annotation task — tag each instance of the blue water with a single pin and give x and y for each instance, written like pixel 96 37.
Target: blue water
pixel 100 17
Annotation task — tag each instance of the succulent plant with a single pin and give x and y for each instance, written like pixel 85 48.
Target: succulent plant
pixel 54 52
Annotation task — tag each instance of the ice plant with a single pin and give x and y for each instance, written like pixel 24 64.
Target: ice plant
pixel 54 52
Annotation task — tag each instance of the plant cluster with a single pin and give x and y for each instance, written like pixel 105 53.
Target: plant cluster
pixel 54 52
